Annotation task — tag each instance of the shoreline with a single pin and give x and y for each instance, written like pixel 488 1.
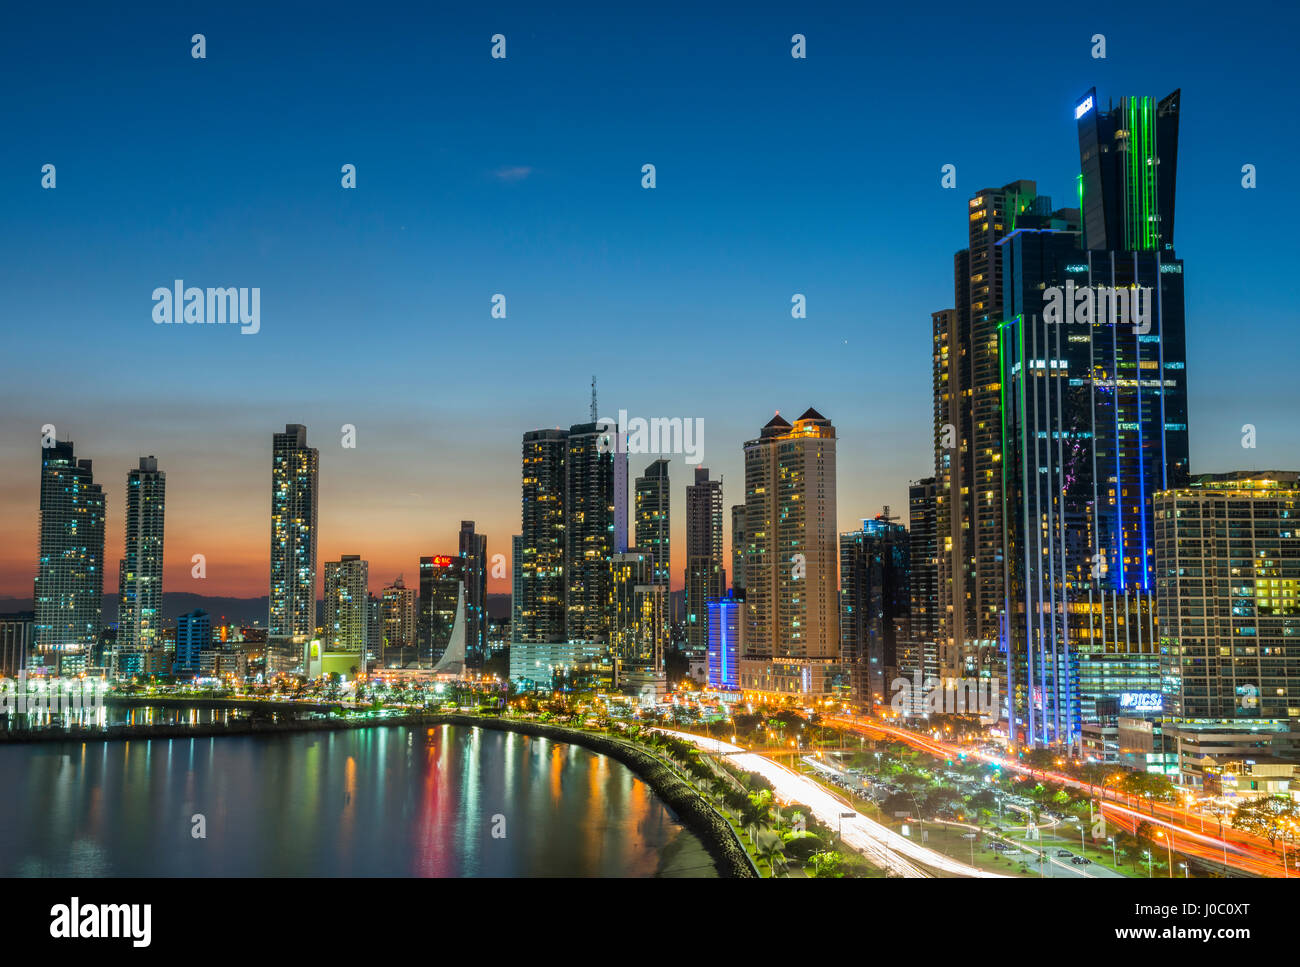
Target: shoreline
pixel 691 809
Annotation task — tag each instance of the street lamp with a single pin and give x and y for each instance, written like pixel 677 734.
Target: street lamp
pixel 919 818
pixel 1169 847
pixel 1114 859
pixel 1147 854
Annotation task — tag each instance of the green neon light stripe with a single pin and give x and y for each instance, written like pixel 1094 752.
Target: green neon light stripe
pixel 1140 232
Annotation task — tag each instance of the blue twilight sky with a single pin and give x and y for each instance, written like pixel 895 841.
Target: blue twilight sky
pixel 522 176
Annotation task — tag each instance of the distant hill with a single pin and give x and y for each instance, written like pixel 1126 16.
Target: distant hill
pixel 240 611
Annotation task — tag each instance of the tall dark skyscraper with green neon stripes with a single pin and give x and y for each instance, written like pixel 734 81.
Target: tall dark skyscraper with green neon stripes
pixel 1094 401
pixel 1128 157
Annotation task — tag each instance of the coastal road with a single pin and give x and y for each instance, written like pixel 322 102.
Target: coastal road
pixel 880 844
pixel 1241 852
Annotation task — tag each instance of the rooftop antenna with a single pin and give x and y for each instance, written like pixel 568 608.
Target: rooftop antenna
pixel 594 418
pixel 885 516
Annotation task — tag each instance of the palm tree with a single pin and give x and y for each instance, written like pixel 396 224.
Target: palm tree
pixel 772 849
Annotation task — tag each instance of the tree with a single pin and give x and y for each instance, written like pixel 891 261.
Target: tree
pixel 941 799
pixel 1129 846
pixel 910 780
pixel 897 802
pixel 801 846
pixel 772 849
pixel 1272 817
pixel 827 864
pixel 1042 759
pixel 1147 785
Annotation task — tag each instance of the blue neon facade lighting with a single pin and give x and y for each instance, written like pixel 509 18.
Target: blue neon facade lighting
pixel 1095 425
pixel 725 635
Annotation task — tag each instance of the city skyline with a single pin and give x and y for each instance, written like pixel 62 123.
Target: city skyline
pixel 430 235
pixel 748 442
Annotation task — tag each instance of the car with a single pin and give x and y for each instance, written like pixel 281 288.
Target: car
pixel 1080 860
pixel 1063 852
pixel 1010 852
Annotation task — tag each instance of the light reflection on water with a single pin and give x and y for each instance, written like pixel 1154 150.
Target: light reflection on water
pixel 383 801
pixel 105 716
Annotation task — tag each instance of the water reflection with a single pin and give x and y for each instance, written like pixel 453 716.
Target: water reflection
pixel 384 801
pixel 103 717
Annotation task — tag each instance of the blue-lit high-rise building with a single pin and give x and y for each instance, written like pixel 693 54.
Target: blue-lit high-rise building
pixel 193 637
pixel 1094 422
pixel 726 641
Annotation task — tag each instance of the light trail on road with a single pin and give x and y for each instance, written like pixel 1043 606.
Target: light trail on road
pixel 887 848
pixel 1246 857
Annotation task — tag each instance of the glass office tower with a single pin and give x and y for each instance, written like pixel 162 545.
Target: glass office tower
pixel 1093 362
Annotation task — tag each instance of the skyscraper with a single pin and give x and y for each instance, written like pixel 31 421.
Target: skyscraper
pixel 706 575
pixel 347 605
pixel 792 636
pixel 589 531
pixel 924 554
pixel 374 647
pixel 1128 159
pixel 540 565
pixel 967 428
pixel 875 600
pixel 653 533
pixel 1227 549
pixel 69 589
pixel 639 629
pixel 139 607
pixel 739 538
pixel 1095 424
pixel 440 579
pixel 397 613
pixel 473 552
pixel 516 583
pixel 295 469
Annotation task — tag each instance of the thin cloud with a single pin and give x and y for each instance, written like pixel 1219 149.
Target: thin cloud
pixel 512 173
